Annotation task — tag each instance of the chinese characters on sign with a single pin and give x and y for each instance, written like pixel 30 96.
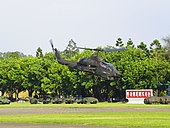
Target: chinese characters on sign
pixel 138 96
pixel 138 93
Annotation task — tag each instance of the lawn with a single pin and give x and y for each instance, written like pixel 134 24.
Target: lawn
pixel 130 119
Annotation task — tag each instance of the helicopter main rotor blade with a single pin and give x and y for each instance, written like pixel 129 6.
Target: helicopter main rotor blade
pixel 114 50
pixel 94 49
pixel 104 50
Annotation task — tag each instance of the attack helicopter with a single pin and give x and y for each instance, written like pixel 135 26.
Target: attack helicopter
pixel 93 65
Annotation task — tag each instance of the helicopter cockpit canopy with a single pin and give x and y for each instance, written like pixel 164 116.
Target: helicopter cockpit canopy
pixel 107 65
pixel 96 58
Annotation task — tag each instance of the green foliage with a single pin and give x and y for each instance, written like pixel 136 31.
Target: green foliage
pixel 71 50
pixel 4 100
pixel 155 45
pixel 39 52
pixel 140 68
pixel 12 55
pixel 167 47
pixel 130 42
pixel 119 42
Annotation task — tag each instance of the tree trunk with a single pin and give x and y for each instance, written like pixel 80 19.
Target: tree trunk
pixel 30 91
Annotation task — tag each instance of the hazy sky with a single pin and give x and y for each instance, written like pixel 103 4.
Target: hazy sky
pixel 26 25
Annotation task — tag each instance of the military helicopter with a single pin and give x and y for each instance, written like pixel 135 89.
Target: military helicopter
pixel 93 65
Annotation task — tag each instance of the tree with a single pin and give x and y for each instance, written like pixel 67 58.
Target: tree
pixel 45 75
pixel 130 43
pixel 167 47
pixel 157 50
pixel 71 49
pixel 52 82
pixel 34 72
pixel 3 76
pixel 12 55
pixel 166 40
pixel 142 46
pixel 11 76
pixel 39 52
pixel 119 42
pixel 155 45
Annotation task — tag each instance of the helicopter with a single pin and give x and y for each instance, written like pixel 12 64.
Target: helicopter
pixel 92 65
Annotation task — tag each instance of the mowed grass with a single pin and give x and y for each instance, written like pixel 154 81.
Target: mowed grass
pixel 128 119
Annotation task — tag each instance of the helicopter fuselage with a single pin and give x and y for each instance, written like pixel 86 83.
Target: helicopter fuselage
pixel 96 66
pixel 93 65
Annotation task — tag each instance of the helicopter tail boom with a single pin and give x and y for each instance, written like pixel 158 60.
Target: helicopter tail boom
pixel 57 53
pixel 70 64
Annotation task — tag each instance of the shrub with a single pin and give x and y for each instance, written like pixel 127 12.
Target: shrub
pixel 34 101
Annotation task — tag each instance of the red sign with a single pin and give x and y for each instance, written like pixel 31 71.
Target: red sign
pixel 139 93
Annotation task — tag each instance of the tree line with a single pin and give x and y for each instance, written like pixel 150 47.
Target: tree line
pixel 142 67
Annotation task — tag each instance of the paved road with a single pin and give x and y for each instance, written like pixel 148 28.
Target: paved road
pixel 53 110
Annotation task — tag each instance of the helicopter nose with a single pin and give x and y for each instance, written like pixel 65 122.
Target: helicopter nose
pixel 118 75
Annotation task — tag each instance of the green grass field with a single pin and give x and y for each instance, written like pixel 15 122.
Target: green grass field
pixel 130 119
pixel 98 105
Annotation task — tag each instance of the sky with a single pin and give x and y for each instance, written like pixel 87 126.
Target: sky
pixel 26 25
